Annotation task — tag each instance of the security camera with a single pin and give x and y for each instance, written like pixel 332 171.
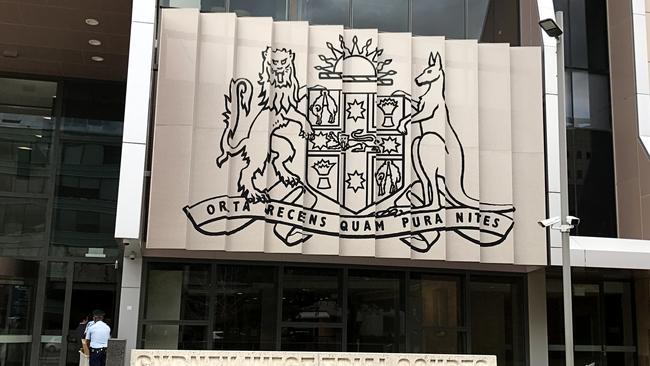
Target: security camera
pixel 573 221
pixel 132 256
pixel 549 222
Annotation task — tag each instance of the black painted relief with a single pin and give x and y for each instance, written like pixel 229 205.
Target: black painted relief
pixel 369 170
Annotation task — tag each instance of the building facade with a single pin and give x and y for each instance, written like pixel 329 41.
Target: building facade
pixel 346 176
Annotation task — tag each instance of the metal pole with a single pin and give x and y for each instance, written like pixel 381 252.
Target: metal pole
pixel 564 199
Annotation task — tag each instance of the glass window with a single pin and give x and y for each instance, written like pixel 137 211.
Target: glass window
pixel 591 182
pixel 619 322
pixel 53 308
pixel 177 292
pixel 311 295
pixel 385 15
pixel 603 325
pixel 315 339
pixel 245 308
pixel 260 8
pixel 26 130
pixel 375 311
pixel 17 297
pixel 434 314
pixel 228 306
pixel 439 18
pixel 160 336
pixel 334 12
pixel 498 307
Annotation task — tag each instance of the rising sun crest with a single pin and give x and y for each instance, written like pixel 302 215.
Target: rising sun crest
pixel 368 65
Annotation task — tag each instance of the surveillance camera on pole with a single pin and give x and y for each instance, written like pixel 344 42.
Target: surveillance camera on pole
pixel 549 222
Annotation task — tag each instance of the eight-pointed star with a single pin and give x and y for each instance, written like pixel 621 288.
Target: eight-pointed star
pixel 355 181
pixel 355 110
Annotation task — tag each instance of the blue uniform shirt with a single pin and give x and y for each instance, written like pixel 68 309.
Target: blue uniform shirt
pixel 98 334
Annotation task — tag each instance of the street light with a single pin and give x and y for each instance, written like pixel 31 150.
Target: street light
pixel 550 27
pixel 564 223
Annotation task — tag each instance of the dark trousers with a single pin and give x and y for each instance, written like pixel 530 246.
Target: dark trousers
pixel 97 358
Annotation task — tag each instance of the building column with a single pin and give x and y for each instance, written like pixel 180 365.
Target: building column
pixel 537 332
pixel 130 298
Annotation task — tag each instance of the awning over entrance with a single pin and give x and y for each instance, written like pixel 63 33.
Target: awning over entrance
pixel 606 253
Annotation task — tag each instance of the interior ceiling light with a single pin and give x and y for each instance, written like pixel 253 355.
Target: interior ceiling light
pixel 94 42
pixel 97 58
pixel 24 148
pixel 10 53
pixel 92 21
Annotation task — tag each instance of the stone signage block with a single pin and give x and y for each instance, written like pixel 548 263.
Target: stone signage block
pixel 245 358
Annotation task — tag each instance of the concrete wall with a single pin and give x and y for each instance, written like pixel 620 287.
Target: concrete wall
pixel 632 164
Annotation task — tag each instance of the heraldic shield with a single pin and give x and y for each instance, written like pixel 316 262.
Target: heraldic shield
pixel 357 152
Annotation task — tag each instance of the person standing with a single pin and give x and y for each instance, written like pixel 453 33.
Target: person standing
pixel 97 336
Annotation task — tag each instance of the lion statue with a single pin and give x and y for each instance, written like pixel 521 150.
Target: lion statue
pixel 280 95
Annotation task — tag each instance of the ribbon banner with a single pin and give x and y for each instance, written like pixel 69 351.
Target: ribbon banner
pixel 295 224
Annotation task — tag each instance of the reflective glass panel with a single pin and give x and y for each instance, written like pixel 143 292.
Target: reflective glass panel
pixel 17 298
pixel 385 15
pixel 311 295
pixel 619 322
pixel 434 314
pixel 324 339
pixel 52 332
pixel 259 8
pixel 499 330
pixel 374 311
pixel 334 12
pixel 439 18
pixel 160 336
pixel 245 308
pixel 177 292
pixel 26 133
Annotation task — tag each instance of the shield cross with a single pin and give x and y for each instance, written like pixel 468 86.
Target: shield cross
pixel 357 152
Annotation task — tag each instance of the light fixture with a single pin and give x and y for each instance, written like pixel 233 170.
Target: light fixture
pixel 94 42
pixel 97 58
pixel 10 53
pixel 550 27
pixel 24 148
pixel 38 136
pixel 47 117
pixel 92 21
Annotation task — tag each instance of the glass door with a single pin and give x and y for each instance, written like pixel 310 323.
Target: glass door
pixel 603 324
pixel 17 297
pixel 94 287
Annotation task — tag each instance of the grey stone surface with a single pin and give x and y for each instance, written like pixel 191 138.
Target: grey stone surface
pixel 115 353
pixel 142 357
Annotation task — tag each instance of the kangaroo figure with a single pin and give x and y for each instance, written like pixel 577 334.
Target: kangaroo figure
pixel 432 116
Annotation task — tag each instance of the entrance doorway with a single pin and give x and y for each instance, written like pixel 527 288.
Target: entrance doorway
pixel 94 287
pixel 603 323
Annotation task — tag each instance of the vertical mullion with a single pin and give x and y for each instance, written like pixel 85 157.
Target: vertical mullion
pixel 69 277
pixel 212 294
pixel 53 169
pixel 410 16
pixel 37 326
pixel 405 306
pixel 467 312
pixel 278 316
pixel 143 294
pixel 350 13
pixel 343 293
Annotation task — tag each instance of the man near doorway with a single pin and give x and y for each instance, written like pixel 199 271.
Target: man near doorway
pixel 97 336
